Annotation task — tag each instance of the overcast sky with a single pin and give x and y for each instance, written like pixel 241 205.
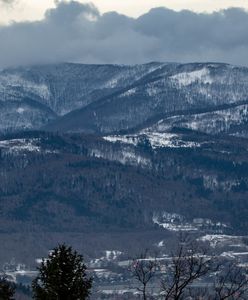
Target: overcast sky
pixel 45 31
pixel 35 9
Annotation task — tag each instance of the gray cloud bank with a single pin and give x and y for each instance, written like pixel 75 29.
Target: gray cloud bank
pixel 77 32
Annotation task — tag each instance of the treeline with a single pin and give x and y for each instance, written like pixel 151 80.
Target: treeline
pixel 190 273
pixel 61 276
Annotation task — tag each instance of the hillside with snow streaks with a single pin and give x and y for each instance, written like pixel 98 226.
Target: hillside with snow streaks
pixel 232 120
pixel 32 97
pixel 108 99
pixel 170 90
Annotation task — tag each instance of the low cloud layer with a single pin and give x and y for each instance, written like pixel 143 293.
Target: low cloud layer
pixel 77 32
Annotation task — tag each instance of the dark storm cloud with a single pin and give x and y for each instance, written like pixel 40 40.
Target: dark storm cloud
pixel 77 32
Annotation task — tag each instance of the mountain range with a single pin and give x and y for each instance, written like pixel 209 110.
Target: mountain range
pixel 111 148
pixel 99 99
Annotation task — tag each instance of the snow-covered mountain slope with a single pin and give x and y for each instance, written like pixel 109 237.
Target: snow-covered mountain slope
pixel 106 99
pixel 232 120
pixel 65 87
pixel 59 89
pixel 171 89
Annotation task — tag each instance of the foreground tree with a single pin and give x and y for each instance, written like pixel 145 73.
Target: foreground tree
pixel 231 283
pixel 7 289
pixel 143 270
pixel 189 263
pixel 62 276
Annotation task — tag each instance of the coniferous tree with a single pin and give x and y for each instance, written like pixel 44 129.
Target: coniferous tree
pixel 62 276
pixel 7 289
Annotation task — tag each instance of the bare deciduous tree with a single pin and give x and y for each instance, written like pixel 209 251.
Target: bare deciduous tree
pixel 143 270
pixel 231 283
pixel 188 264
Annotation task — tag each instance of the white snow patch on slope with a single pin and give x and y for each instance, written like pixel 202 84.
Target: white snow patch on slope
pixel 187 78
pixel 156 140
pixel 172 222
pixel 177 227
pixel 232 254
pixel 129 92
pixel 219 239
pixel 20 110
pixel 161 244
pixel 112 83
pixel 112 254
pixel 16 145
pixel 126 139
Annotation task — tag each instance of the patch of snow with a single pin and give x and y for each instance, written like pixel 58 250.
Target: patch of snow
pixel 20 110
pixel 243 265
pixel 219 239
pixel 129 93
pixel 161 244
pixel 112 254
pixel 169 140
pixel 127 139
pixel 177 227
pixel 227 254
pixel 112 83
pixel 187 78
pixel 156 140
pixel 172 222
pixel 16 145
pixel 231 254
pixel 39 260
